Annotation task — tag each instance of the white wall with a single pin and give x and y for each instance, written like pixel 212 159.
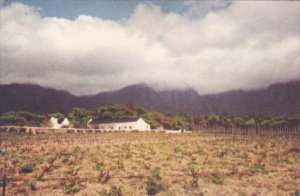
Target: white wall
pixel 139 125
pixel 173 131
pixel 53 122
pixel 142 125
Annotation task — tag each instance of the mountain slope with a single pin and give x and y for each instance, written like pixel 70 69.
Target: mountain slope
pixel 278 99
pixel 34 98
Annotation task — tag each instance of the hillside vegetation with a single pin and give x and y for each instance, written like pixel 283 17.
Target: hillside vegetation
pixel 80 116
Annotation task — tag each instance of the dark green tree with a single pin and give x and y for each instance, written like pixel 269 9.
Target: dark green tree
pixel 80 116
pixel 57 115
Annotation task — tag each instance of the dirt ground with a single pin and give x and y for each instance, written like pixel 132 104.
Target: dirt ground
pixel 148 164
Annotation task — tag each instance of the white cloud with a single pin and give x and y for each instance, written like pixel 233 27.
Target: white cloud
pixel 238 45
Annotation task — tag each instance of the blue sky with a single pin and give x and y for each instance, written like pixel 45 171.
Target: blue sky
pixel 105 9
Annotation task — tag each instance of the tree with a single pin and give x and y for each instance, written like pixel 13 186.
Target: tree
pixel 139 111
pixel 250 122
pixel 22 119
pixel 266 123
pixel 107 115
pixel 238 121
pixel 12 120
pixel 213 119
pixel 158 117
pixel 109 111
pixel 57 115
pixel 81 116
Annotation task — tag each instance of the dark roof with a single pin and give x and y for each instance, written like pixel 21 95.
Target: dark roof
pixel 101 121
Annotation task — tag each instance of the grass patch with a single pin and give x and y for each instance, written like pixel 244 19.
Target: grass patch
pixel 27 168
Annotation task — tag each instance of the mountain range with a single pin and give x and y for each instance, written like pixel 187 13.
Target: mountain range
pixel 277 99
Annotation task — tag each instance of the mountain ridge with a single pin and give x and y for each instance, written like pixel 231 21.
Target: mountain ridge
pixel 277 99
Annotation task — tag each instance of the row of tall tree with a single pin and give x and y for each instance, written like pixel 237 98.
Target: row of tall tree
pixel 247 123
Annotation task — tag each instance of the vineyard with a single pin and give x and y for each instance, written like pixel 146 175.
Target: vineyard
pixel 148 163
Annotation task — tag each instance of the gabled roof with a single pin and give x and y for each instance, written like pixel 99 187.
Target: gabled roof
pixel 59 121
pixel 122 120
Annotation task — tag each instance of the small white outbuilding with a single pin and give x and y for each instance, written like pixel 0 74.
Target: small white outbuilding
pixel 53 122
pixel 137 124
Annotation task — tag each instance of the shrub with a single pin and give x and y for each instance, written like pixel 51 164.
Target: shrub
pixel 112 191
pixel 32 185
pixel 177 148
pixel 153 186
pixel 76 150
pixel 5 153
pixel 115 191
pixel 72 187
pixel 258 170
pixel 120 164
pixel 217 178
pixel 2 182
pixel 27 168
pixel 193 171
pixel 156 174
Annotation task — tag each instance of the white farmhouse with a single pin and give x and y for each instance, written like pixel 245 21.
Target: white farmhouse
pixel 137 124
pixel 53 122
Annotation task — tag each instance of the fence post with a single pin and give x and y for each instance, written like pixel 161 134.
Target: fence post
pixel 3 185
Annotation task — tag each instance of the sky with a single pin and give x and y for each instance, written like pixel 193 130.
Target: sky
pixel 89 46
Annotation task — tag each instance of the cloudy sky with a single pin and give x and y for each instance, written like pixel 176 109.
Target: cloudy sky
pixel 88 46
